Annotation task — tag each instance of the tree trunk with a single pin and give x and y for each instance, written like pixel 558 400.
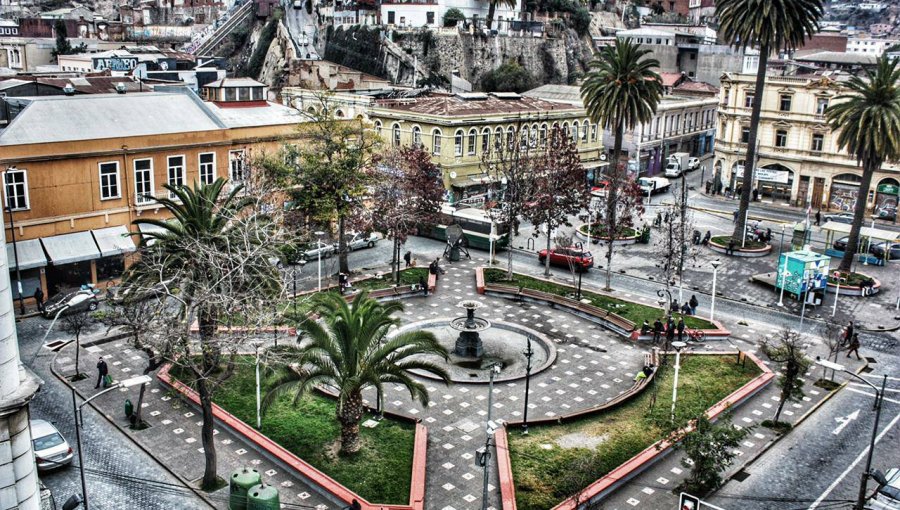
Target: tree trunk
pixel 395 261
pixel 342 246
pixel 790 375
pixel 509 253
pixel 870 165
pixel 547 260
pixel 349 416
pixel 206 435
pixel 750 162
pixel 492 6
pixel 138 415
pixel 77 357
pixel 612 198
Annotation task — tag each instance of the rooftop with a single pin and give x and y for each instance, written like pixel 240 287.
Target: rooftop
pixel 644 32
pixel 562 93
pixel 265 114
pixel 234 82
pixel 835 57
pixel 455 106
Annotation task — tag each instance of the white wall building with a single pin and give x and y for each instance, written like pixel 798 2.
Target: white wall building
pixel 430 13
pixel 648 36
pixel 869 46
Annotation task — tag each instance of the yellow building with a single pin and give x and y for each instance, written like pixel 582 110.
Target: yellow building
pixel 458 129
pixel 799 162
pixel 78 170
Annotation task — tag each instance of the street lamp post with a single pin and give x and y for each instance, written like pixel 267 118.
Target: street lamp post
pixel 678 346
pixel 712 307
pixel 528 355
pixel 805 284
pixel 12 231
pixel 837 292
pixel 495 369
pixel 780 251
pixel 76 411
pixel 256 345
pixel 319 235
pixel 879 400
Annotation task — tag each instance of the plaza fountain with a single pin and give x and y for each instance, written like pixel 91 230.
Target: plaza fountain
pixel 468 343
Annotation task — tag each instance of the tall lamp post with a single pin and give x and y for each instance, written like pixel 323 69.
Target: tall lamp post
pixel 780 250
pixel 712 307
pixel 256 345
pixel 837 292
pixel 76 410
pixel 485 455
pixel 528 355
pixel 319 235
pixel 678 347
pixel 879 399
pixel 12 230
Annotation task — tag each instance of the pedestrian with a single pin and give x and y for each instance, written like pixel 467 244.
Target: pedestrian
pixel 730 249
pixel 657 330
pixel 675 306
pixel 848 333
pixel 423 285
pixel 854 346
pixel 407 257
pixel 686 309
pixel 694 304
pixel 645 328
pixel 734 216
pixel 102 371
pixel 680 329
pixel 39 299
pixel 670 331
pixel 707 237
pixel 818 217
pixel 755 195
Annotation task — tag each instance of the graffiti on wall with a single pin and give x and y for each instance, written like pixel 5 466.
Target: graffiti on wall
pixel 115 63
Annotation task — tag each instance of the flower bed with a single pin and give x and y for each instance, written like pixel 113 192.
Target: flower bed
pixel 751 248
pixel 599 232
pixel 552 463
pixel 857 284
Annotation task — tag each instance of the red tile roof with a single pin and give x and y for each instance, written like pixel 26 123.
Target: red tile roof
pixel 455 106
pixel 697 87
pixel 670 79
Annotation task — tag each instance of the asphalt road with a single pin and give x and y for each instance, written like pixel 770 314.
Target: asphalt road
pixel 302 28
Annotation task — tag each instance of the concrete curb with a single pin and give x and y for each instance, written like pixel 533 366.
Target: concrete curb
pixel 199 493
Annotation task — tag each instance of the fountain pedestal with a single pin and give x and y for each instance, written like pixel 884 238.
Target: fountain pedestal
pixel 468 343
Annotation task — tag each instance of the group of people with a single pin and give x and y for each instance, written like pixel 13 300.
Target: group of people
pixel 688 308
pixel 671 328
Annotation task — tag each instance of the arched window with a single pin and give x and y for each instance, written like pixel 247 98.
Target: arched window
pixel 417 136
pixel 565 129
pixel 594 129
pixel 473 139
pixel 498 139
pixel 510 137
pixel 584 133
pixel 485 140
pixel 523 138
pixel 377 123
pixel 436 142
pixel 543 135
pixel 575 132
pixel 339 114
pixel 395 135
pixel 458 143
pixel 534 136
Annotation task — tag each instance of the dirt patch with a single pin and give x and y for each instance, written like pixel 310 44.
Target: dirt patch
pixel 579 440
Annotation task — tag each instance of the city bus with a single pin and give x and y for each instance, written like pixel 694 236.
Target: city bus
pixel 476 225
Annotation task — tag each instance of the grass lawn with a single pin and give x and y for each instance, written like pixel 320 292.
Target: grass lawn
pixel 599 231
pixel 380 472
pixel 853 279
pixel 635 312
pixel 749 244
pixel 552 463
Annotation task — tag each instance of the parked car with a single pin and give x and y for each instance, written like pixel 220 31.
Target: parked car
pixel 844 217
pixel 311 253
pixel 358 241
pixel 50 448
pixel 600 189
pixel 887 497
pixel 673 169
pixel 887 212
pixel 879 249
pixel 693 163
pixel 79 301
pixel 568 257
pixel 841 244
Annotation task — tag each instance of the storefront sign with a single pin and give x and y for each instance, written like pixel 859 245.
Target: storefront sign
pixel 115 63
pixel 772 175
pixel 888 189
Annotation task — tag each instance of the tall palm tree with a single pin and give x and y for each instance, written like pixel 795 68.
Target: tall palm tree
pixel 492 6
pixel 768 25
pixel 868 121
pixel 216 260
pixel 621 90
pixel 349 351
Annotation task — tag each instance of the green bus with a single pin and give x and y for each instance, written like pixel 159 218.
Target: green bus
pixel 476 225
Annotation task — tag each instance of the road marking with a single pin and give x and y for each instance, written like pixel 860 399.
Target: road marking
pixel 861 385
pixel 879 377
pixel 859 458
pixel 861 392
pixel 844 421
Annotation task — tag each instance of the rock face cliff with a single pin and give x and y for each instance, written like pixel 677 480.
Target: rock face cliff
pixel 560 56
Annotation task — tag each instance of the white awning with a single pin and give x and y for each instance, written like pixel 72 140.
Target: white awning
pixel 874 233
pixel 113 241
pixel 29 253
pixel 146 228
pixel 70 248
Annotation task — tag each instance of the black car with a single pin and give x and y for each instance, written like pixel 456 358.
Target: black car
pixel 878 250
pixel 841 244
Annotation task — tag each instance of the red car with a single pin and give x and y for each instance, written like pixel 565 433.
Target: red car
pixel 568 257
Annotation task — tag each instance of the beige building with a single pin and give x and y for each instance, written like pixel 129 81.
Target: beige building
pixel 799 162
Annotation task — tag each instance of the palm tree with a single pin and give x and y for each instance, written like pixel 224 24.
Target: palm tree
pixel 493 6
pixel 621 91
pixel 868 121
pixel 349 351
pixel 768 25
pixel 216 259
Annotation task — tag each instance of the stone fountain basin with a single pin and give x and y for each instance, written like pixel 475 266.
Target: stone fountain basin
pixel 504 342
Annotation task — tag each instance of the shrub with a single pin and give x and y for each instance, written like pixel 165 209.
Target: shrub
pixel 254 66
pixel 453 16
pixel 580 20
pixel 509 77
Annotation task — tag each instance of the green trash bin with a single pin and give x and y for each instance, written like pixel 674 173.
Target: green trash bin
pixel 242 480
pixel 263 497
pixel 129 408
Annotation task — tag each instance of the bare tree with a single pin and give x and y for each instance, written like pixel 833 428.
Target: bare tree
pixel 75 324
pixel 786 347
pixel 674 247
pixel 832 334
pixel 623 207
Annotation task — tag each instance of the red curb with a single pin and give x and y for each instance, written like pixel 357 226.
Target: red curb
pixel 504 468
pixel 310 473
pixel 432 282
pixel 479 280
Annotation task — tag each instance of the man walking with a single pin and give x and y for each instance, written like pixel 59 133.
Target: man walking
pixel 734 216
pixel 407 257
pixel 854 346
pixel 730 249
pixel 39 299
pixel 848 333
pixel 681 329
pixel 102 371
pixel 657 330
pixel 818 217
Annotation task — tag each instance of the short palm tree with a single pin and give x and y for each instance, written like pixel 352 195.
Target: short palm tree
pixel 868 121
pixel 768 25
pixel 348 351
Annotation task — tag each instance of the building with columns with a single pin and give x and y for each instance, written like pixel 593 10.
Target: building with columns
pixel 799 161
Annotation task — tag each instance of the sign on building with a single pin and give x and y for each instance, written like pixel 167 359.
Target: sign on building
pixel 114 63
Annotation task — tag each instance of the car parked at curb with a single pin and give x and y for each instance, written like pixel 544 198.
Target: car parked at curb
pixel 51 450
pixel 79 301
pixel 359 241
pixel 841 244
pixel 879 250
pixel 572 256
pixel 844 217
pixel 887 496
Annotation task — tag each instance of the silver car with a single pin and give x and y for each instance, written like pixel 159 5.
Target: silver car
pixel 360 241
pixel 50 449
pixel 844 217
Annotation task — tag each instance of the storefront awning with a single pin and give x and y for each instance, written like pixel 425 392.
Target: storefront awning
pixel 472 180
pixel 595 164
pixel 113 241
pixel 29 254
pixel 874 233
pixel 146 228
pixel 70 248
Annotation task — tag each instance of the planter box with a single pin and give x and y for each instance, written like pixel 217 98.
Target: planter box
pixel 738 252
pixel 621 241
pixel 850 290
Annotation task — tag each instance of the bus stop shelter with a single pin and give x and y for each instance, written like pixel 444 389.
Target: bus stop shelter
pixel 867 236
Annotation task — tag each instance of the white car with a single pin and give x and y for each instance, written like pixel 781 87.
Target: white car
pixel 887 497
pixel 673 169
pixel 693 163
pixel 359 241
pixel 50 449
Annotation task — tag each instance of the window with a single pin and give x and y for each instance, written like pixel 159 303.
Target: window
pixel 785 103
pixel 207 167
pixel 780 138
pixel 143 181
pixel 109 180
pixel 395 135
pixel 821 105
pixel 818 141
pixel 726 98
pixel 458 143
pixel 378 127
pixel 176 172
pixel 594 129
pixel 417 136
pixel 565 129
pixel 498 139
pixel 745 135
pixel 748 100
pixel 436 142
pixel 485 140
pixel 523 138
pixel 16 188
pixel 429 18
pixel 237 170
pixel 585 127
pixel 510 137
pixel 575 132
pixel 391 16
pixel 473 139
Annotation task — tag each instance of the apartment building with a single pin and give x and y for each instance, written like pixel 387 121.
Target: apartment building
pixel 459 129
pixel 430 13
pixel 799 162
pixel 77 170
pixel 869 46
